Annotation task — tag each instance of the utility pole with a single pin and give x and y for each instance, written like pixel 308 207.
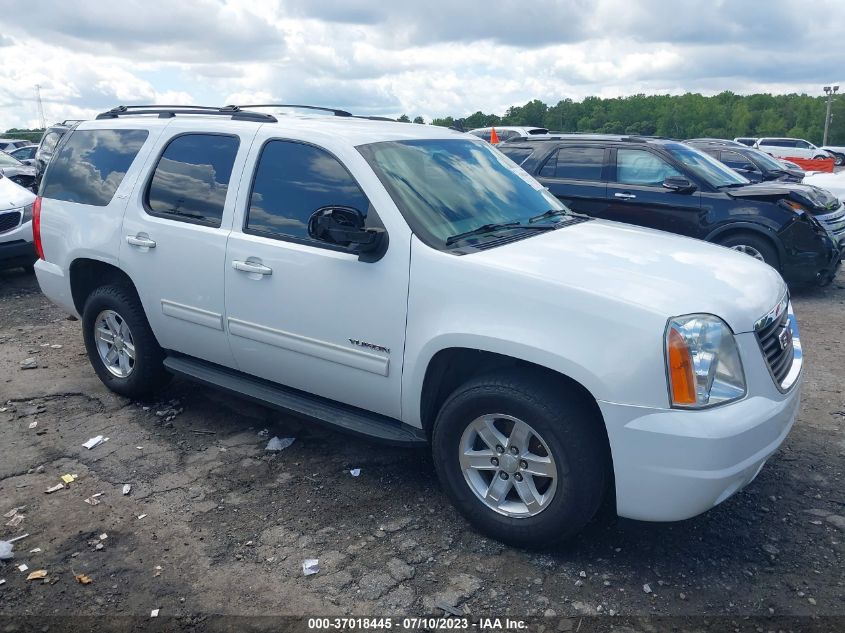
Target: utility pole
pixel 829 91
pixel 43 121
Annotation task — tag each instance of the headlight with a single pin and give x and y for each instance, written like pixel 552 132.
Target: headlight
pixel 702 362
pixel 27 214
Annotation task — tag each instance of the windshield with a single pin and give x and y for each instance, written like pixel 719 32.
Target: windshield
pixel 445 187
pixel 8 161
pixel 763 159
pixel 705 167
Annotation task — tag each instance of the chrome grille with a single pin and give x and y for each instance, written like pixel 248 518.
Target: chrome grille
pixel 835 222
pixel 775 338
pixel 9 221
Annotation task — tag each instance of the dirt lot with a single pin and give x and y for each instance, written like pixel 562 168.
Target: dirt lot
pixel 227 525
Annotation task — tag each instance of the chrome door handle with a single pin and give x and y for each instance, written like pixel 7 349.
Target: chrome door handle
pixel 140 241
pixel 625 196
pixel 251 267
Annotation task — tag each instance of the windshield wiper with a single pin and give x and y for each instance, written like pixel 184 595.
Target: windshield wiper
pixel 551 213
pixel 730 185
pixel 496 226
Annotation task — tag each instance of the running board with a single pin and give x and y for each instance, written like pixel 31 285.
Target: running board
pixel 304 405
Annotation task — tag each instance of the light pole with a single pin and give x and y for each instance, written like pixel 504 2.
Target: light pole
pixel 829 91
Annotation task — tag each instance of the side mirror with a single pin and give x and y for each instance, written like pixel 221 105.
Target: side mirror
pixel 344 227
pixel 679 184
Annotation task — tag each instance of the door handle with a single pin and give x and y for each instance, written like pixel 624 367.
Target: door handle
pixel 137 240
pixel 625 196
pixel 251 267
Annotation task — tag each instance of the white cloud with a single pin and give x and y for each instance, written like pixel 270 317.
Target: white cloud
pixel 431 58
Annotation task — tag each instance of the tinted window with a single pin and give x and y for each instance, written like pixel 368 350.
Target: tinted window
pixel 639 167
pixel 292 181
pixel 48 144
pixel 576 163
pixel 192 177
pixel 735 160
pixel 516 154
pixel 91 165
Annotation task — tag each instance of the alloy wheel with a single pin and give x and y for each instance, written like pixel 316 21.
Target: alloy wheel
pixel 115 344
pixel 749 250
pixel 508 465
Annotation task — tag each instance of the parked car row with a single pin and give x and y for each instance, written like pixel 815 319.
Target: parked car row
pixel 793 148
pixel 797 229
pixel 411 284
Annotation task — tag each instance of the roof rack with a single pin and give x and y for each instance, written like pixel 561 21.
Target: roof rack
pixel 334 111
pixel 169 111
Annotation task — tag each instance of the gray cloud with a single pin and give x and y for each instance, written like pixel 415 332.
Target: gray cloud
pixel 198 31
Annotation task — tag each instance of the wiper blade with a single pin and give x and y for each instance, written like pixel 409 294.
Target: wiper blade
pixel 484 228
pixel 551 213
pixel 488 228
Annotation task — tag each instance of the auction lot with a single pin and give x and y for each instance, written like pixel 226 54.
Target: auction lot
pixel 227 525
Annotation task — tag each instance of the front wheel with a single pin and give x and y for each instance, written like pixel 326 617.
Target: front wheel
pixel 121 346
pixel 757 247
pixel 523 462
pixel 839 159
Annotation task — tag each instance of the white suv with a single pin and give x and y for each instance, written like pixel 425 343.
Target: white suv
pixel 16 246
pixel 791 148
pixel 411 284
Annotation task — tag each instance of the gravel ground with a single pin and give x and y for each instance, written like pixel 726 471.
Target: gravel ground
pixel 215 524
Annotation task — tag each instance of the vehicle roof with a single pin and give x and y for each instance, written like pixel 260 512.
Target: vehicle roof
pixel 616 138
pixel 507 127
pixel 356 131
pixel 715 141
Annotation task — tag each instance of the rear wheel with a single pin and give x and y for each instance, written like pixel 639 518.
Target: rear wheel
pixel 819 157
pixel 755 246
pixel 523 461
pixel 121 346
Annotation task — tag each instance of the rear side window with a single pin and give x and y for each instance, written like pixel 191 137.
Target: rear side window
pixel 191 178
pixel 91 165
pixel 292 181
pixel 575 163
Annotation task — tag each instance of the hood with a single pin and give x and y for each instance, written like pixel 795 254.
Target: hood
pixel 18 170
pixel 814 198
pixel 660 272
pixel 13 196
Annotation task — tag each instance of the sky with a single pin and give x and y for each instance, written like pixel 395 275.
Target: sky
pixel 430 58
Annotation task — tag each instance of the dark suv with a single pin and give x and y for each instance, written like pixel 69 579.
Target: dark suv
pixel 755 165
pixel 667 185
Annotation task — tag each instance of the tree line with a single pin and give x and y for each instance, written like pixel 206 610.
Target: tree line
pixel 725 115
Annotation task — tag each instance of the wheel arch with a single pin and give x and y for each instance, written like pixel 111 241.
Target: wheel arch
pixel 450 367
pixel 87 274
pixel 734 228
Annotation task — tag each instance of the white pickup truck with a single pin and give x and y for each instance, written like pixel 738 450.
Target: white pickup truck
pixel 411 284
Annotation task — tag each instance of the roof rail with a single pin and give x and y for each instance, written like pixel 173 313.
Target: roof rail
pixel 169 111
pixel 334 111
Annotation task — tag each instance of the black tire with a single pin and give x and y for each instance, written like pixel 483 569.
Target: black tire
pixel 570 427
pixel 839 159
pixel 148 373
pixel 757 242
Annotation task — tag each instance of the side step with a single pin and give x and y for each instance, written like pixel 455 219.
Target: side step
pixel 304 405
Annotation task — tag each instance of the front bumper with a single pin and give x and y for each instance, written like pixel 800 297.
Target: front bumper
pixel 811 253
pixel 16 247
pixel 672 464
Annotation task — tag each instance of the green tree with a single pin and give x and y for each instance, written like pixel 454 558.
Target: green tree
pixel 419 119
pixel 404 119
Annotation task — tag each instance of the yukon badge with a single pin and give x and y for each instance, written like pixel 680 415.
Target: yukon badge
pixel 372 346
